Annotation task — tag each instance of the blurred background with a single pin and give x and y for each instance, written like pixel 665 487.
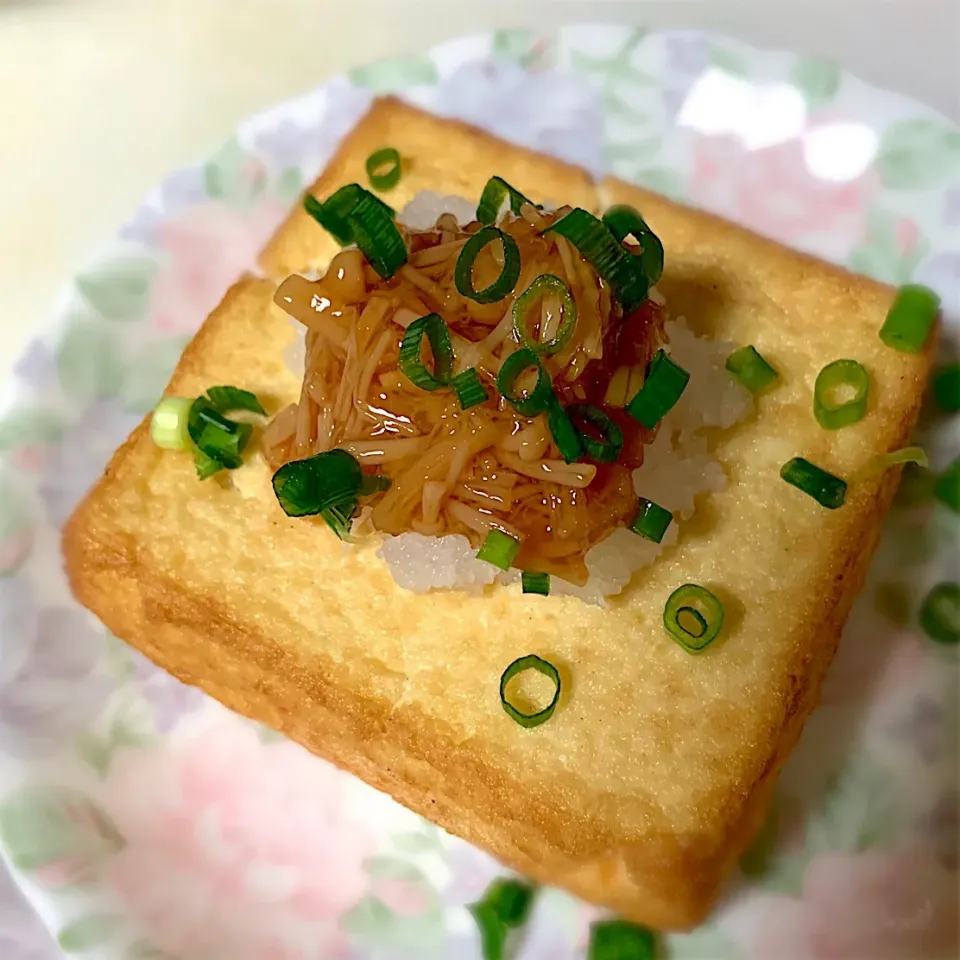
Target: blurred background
pixel 101 98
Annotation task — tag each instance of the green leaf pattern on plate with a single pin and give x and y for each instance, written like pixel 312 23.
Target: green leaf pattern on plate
pixel 87 933
pixel 394 74
pixel 119 289
pixel 817 80
pixel 89 362
pixel 919 153
pixel 891 249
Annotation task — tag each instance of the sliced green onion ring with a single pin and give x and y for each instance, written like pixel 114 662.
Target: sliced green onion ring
pixel 505 906
pixel 947 486
pixel 499 549
pixel 946 388
pixel 829 491
pixel 564 432
pixel 544 285
pixel 751 369
pixel 624 221
pixel 412 366
pixel 693 616
pixel 940 613
pixel 538 583
pixel 354 215
pixel 911 318
pixel 607 448
pixel 219 438
pixel 380 178
pixel 469 389
pixel 491 200
pixel 833 413
pixel 509 274
pixel 651 521
pixel 169 424
pixel 536 400
pixel 593 238
pixel 662 388
pixel 530 662
pixel 233 399
pixel 620 940
pixel 325 481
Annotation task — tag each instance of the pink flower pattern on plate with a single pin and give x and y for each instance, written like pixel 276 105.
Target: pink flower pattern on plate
pixel 874 905
pixel 235 848
pixel 206 249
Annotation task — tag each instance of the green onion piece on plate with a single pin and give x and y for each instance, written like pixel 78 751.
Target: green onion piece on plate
pixel 916 486
pixel 750 368
pixel 624 221
pixel 600 436
pixel 339 517
pixel 219 438
pixel 829 491
pixel 593 238
pixel 469 388
pixel 505 906
pixel 946 388
pixel 886 461
pixel 911 318
pixel 651 521
pixel 940 613
pixel 384 168
pixel 322 482
pixel 535 717
pixel 545 285
pixel 832 409
pixel 168 426
pixel 620 940
pixel 499 548
pixel 566 436
pixel 532 401
pixel 354 215
pixel 412 366
pixel 491 200
pixel 662 388
pixel 693 616
pixel 538 583
pixel 373 483
pixel 947 486
pixel 509 273
pixel 233 399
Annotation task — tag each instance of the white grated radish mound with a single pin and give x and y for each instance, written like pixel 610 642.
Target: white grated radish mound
pixel 677 467
pixel 420 563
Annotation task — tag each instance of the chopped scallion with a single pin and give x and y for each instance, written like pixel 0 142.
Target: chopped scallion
pixel 233 399
pixel 751 369
pixel 594 239
pixel 339 517
pixel 946 388
pixel 491 200
pixel 469 388
pixel 600 436
pixel 533 401
pixel 219 438
pixel 205 466
pixel 624 221
pixel 354 215
pixel 620 940
pixel 693 616
pixel 373 484
pixel 833 411
pixel 384 168
pixel 829 491
pixel 566 436
pixel 538 583
pixel 545 285
pixel 911 318
pixel 505 906
pixel 169 425
pixel 499 549
pixel 886 461
pixel 327 481
pixel 662 388
pixel 412 366
pixel 947 486
pixel 509 273
pixel 940 613
pixel 651 521
pixel 532 718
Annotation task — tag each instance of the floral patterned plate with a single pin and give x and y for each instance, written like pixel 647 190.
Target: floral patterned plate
pixel 143 821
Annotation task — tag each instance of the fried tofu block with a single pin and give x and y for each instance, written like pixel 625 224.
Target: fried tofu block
pixel 655 770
